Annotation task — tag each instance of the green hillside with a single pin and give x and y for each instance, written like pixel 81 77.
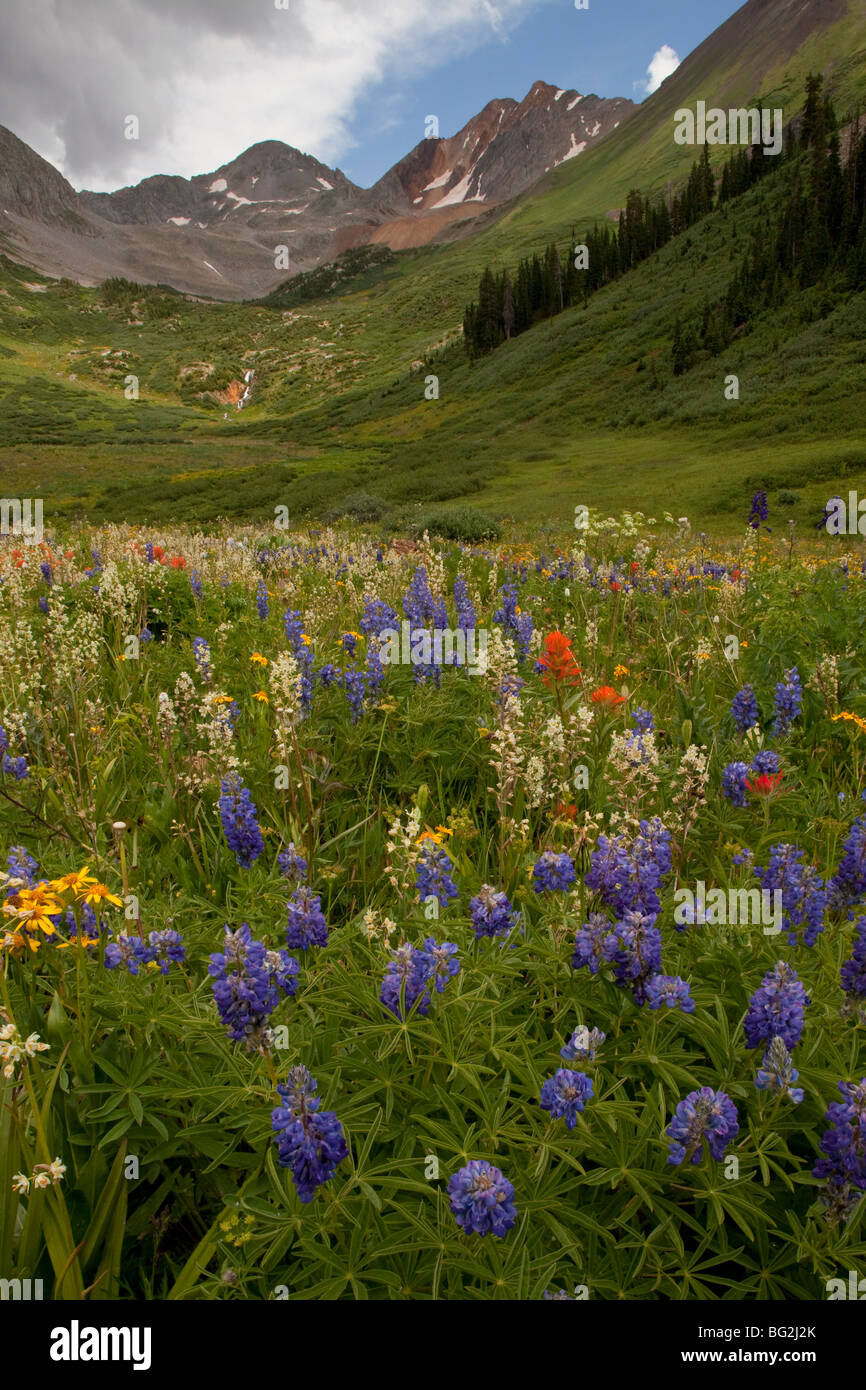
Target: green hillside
pixel 584 407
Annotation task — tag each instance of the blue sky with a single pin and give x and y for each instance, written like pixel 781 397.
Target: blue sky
pixel 603 50
pixel 349 81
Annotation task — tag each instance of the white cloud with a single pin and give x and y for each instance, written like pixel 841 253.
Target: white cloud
pixel 664 61
pixel 208 78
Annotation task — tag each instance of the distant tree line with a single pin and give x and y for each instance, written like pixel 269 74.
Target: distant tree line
pixel 818 232
pixel 822 226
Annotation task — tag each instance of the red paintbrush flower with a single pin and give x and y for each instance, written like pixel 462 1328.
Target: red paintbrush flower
pixel 764 785
pixel 177 562
pixel 558 660
pixel 606 695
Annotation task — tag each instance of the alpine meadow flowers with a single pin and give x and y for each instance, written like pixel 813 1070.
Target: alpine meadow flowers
pixel 378 970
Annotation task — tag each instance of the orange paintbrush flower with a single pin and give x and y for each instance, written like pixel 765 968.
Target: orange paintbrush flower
pixel 764 785
pixel 558 660
pixel 606 695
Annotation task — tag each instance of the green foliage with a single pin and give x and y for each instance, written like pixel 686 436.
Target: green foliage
pixel 140 1067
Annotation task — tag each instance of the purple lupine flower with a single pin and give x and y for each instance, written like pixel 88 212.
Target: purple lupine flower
pixel 466 616
pixel 408 973
pixel 584 1043
pixel 704 1116
pixel 553 873
pixel 670 990
pixel 777 1008
pixel 291 864
pixel 589 943
pixel 634 948
pixel 759 512
pixel 482 1200
pixel 130 951
pixel 847 887
pixel 354 684
pixel 854 970
pixel 628 875
pixel 766 763
pixel 247 979
pixel 734 778
pixel 374 675
pixel 433 875
pixel 804 897
pixel 201 652
pixel 492 913
pixel 262 600
pixel 844 1167
pixel 195 584
pixel 788 703
pixel 744 709
pixel 310 1142
pixel 777 1072
pixel 21 865
pixel 378 617
pixel 307 926
pixel 238 816
pixel 643 721
pixel 565 1094
pixel 444 964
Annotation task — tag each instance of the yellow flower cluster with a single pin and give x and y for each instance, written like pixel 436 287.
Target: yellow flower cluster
pixel 36 909
pixel 851 719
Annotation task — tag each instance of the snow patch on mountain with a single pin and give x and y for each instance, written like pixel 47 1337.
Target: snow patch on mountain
pixel 218 186
pixel 442 179
pixel 574 150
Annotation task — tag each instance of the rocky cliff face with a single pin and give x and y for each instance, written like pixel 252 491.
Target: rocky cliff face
pixel 217 234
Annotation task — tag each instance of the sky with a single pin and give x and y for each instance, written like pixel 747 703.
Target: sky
pixel 349 81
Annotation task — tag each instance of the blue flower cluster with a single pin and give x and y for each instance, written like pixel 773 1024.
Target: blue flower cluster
pixel 704 1116
pixel 847 887
pixel 844 1167
pixel 201 652
pixel 492 913
pixel 804 897
pixel 310 1142
pixel 12 767
pixel 628 876
pixel 744 709
pixel 262 600
pixel 195 584
pixel 670 990
pixel 553 873
pixel 734 778
pixel 514 620
pixel 291 864
pixel 247 980
pixel 21 865
pixel 777 1008
pixel 565 1094
pixel 238 816
pixel 307 926
pixel 162 948
pixel 433 875
pixel 854 970
pixel 412 972
pixel 788 703
pixel 643 721
pixel 583 1043
pixel 482 1200
pixel 777 1072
